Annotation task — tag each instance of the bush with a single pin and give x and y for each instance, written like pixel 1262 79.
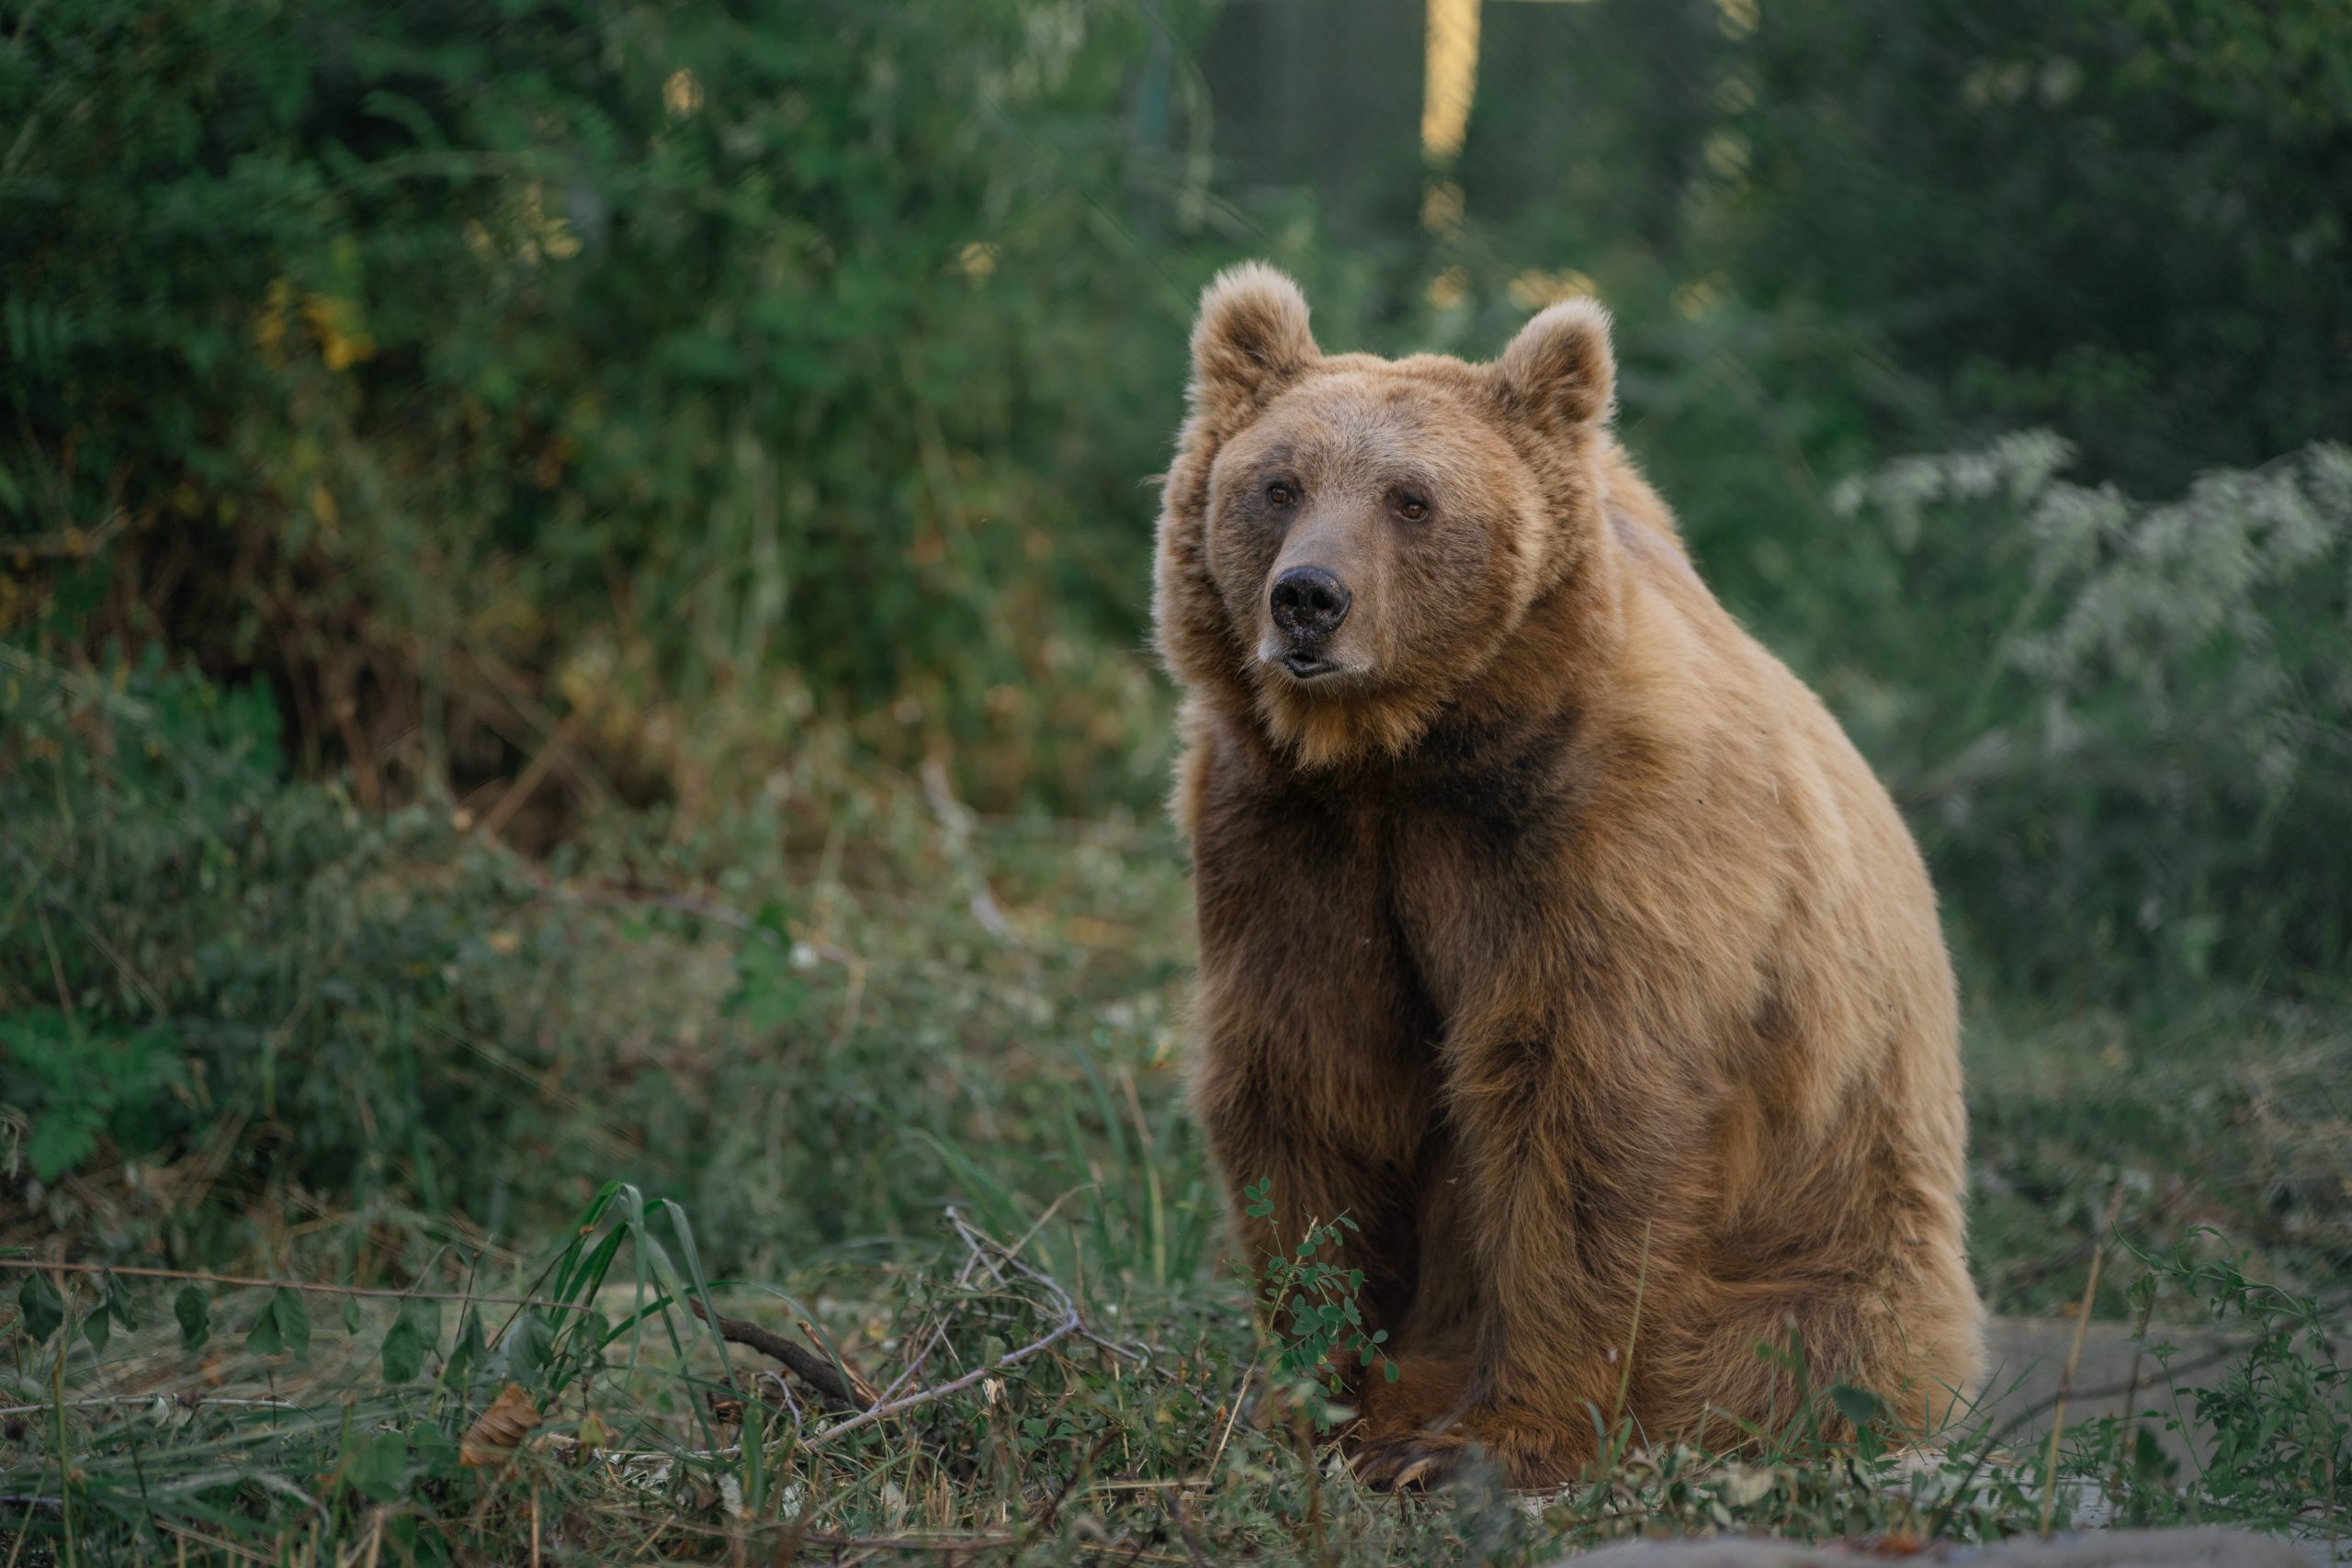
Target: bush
pixel 2081 214
pixel 236 1009
pixel 245 987
pixel 607 382
pixel 2126 738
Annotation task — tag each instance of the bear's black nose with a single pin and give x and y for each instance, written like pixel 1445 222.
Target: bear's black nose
pixel 1310 601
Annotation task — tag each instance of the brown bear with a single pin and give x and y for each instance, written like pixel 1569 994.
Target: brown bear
pixel 1550 929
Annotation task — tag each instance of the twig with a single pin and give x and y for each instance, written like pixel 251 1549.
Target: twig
pixel 1634 1334
pixel 534 773
pixel 912 1543
pixel 190 1401
pixel 197 1277
pixel 2066 1377
pixel 998 1255
pixel 1071 1323
pixel 956 829
pixel 804 1363
pixel 2132 1390
pixel 1239 1393
pixel 1180 1509
pixel 860 1390
pixel 1059 1331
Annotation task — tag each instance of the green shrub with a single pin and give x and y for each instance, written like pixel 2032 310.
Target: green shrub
pixel 2095 216
pixel 201 950
pixel 228 998
pixel 2128 750
pixel 670 371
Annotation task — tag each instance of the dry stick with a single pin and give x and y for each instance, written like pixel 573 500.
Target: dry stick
pixel 982 1244
pixel 189 1400
pixel 1071 1323
pixel 862 1391
pixel 2132 1388
pixel 1633 1335
pixel 2066 1378
pixel 1180 1507
pixel 202 1278
pixel 184 1535
pixel 534 773
pixel 1060 1331
pixel 911 1543
pixel 1239 1393
pixel 804 1363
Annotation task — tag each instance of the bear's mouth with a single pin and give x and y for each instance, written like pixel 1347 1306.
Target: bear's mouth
pixel 1308 666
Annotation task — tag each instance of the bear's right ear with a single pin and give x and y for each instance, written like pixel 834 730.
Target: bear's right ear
pixel 1251 342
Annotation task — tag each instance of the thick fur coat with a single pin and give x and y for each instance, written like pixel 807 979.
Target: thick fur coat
pixel 1550 929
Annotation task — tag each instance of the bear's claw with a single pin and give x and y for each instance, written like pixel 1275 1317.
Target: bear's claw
pixel 1415 1460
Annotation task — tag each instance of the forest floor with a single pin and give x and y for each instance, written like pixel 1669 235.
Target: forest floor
pixel 903 1086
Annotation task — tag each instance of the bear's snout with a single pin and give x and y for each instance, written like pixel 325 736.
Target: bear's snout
pixel 1308 603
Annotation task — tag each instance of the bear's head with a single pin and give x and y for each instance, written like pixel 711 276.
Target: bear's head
pixel 1346 542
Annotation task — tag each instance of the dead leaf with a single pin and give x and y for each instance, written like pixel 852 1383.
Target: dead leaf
pixel 498 1431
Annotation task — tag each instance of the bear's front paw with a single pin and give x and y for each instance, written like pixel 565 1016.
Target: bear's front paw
pixel 1409 1461
pixel 1535 1455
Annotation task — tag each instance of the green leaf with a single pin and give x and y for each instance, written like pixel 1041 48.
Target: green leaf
pixel 194 1312
pixel 293 1316
pixel 60 1143
pixel 284 1326
pixel 403 1355
pixel 378 1466
pixel 468 1351
pixel 528 1345
pixel 97 1327
pixel 351 1315
pixel 117 1298
pixel 413 1333
pixel 41 1306
pixel 1859 1405
pixel 423 1315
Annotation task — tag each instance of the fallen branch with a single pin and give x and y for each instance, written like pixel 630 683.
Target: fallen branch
pixel 909 1542
pixel 34 1265
pixel 1059 1331
pixel 811 1368
pixel 1069 1323
pixel 997 1254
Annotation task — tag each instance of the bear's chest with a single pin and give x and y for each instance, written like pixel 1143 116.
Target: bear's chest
pixel 1449 878
pixel 1470 891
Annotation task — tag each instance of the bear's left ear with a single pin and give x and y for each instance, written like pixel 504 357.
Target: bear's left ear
pixel 1251 342
pixel 1560 371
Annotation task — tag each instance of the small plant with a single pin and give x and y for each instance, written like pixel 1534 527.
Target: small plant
pixel 2273 1426
pixel 1313 1308
pixel 74 1086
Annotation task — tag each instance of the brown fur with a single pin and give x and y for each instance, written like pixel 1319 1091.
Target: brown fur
pixel 1559 937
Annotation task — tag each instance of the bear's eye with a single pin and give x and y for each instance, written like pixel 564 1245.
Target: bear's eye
pixel 1412 508
pixel 1282 492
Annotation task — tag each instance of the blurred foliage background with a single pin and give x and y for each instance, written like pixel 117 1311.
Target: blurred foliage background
pixel 576 572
